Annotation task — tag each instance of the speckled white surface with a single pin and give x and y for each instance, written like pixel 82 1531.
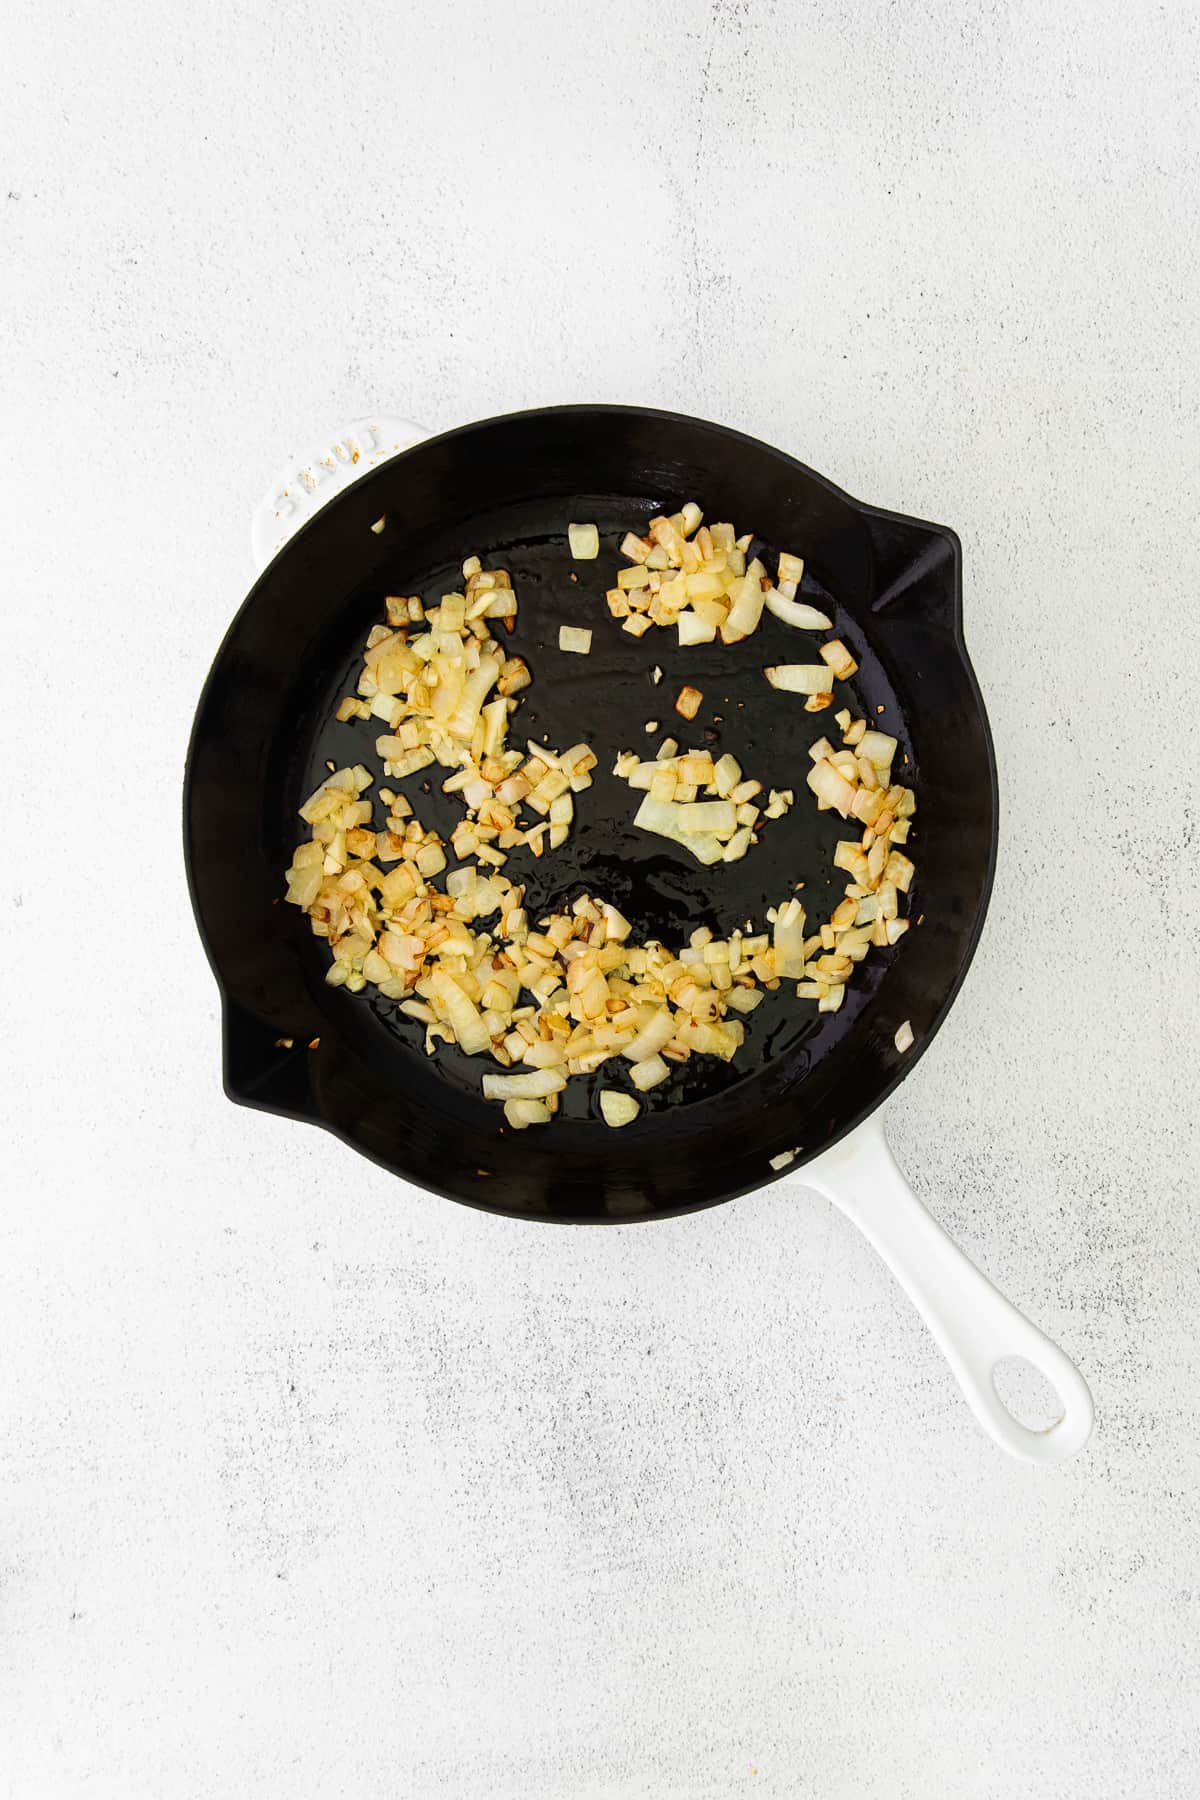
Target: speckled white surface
pixel 314 1486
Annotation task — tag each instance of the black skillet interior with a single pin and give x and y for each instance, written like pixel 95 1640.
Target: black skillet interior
pixel 505 490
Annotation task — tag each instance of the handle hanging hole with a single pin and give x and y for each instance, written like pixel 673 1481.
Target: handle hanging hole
pixel 1025 1391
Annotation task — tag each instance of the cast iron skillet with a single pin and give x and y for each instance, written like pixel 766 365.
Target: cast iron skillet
pixel 505 489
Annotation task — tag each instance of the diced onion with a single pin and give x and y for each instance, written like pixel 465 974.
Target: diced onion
pixel 533 1085
pixel 839 659
pixel 695 630
pixel 719 816
pixel 556 997
pixel 618 1109
pixel 649 1072
pixel 878 748
pixel 789 939
pixel 662 818
pixel 656 1033
pixel 831 787
pixel 801 678
pixel 746 611
pixel 726 775
pixel 521 1113
pixel 795 612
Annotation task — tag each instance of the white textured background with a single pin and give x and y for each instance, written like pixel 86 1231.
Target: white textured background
pixel 311 1485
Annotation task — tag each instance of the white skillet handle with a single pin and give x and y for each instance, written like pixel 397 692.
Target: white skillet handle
pixel 308 480
pixel 975 1326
